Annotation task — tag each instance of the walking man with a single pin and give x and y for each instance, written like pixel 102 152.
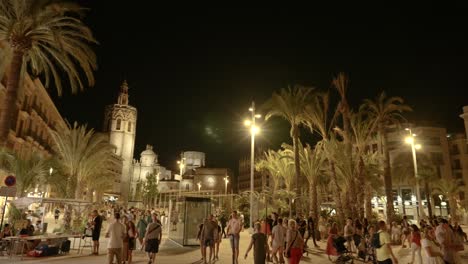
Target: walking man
pixel 311 230
pixel 278 235
pixel 209 235
pixel 97 225
pixel 153 238
pixel 384 253
pixel 233 230
pixel 116 233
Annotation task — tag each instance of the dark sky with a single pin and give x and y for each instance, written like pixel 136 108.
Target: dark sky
pixel 193 73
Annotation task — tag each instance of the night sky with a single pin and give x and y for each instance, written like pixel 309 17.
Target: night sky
pixel 193 73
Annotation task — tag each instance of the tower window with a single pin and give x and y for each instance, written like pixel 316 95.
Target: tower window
pixel 117 126
pixel 129 128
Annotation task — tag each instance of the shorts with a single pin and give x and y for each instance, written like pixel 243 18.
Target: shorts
pixel 208 242
pixel 96 235
pixel 234 239
pixel 131 243
pixel 152 246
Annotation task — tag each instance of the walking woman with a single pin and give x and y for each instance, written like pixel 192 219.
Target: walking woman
pixel 260 245
pixel 131 234
pixel 431 252
pixel 141 226
pixel 332 234
pixel 295 243
pixel 415 240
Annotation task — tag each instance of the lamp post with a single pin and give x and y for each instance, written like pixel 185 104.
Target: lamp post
pixel 253 130
pixel 181 166
pixel 226 181
pixel 199 186
pixel 410 140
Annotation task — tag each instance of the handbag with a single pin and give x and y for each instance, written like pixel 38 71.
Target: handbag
pixel 288 252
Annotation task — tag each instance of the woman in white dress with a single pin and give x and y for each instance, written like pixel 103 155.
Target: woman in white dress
pixel 430 251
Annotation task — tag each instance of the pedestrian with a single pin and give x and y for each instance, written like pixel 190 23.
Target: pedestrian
pixel 405 229
pixel 153 238
pixel 209 236
pixel 310 230
pixel 295 243
pixel 278 238
pixel 396 233
pixel 349 234
pixel 430 251
pixel 218 240
pixel 56 214
pixel 200 228
pixel 116 233
pixel 96 231
pixel 415 240
pixel 384 254
pixel 233 229
pixel 260 245
pixel 444 236
pixel 141 227
pixel 131 234
pixel 223 221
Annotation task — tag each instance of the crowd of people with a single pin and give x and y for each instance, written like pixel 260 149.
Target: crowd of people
pixel 432 242
pixel 126 229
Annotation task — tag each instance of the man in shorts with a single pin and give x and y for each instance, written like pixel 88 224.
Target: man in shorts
pixel 153 238
pixel 209 235
pixel 97 224
pixel 233 230
pixel 278 235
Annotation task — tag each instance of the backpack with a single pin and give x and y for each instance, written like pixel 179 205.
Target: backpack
pixel 375 243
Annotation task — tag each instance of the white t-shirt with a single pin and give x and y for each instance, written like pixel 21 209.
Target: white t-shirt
pixel 425 243
pixel 116 233
pixel 279 232
pixel 383 253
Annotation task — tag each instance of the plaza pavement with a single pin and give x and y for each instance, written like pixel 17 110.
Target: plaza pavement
pixel 172 253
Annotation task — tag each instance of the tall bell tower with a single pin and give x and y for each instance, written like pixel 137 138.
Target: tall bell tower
pixel 120 123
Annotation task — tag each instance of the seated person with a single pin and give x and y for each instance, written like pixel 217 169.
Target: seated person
pixel 28 230
pixel 39 226
pixel 6 232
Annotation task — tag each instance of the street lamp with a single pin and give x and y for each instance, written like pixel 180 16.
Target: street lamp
pixel 253 130
pixel 410 140
pixel 199 186
pixel 226 181
pixel 181 166
pixel 440 206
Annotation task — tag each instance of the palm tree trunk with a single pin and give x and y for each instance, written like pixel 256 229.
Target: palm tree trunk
pixel 428 198
pixel 360 191
pixel 296 160
pixel 313 200
pixel 9 105
pixel 453 208
pixel 387 175
pixel 337 189
pixel 368 201
pixel 78 192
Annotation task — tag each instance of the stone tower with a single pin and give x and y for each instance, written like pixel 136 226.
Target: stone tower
pixel 120 122
pixel 465 118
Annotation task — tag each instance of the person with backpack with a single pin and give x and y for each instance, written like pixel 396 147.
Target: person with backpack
pixel 382 243
pixel 153 238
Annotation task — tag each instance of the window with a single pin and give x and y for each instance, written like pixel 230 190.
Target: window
pixel 455 150
pixel 458 175
pixel 129 127
pixel 187 186
pixel 117 126
pixel 456 164
pixel 437 158
pixel 462 195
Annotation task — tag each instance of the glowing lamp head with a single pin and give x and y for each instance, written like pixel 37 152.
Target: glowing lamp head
pixel 247 123
pixel 409 140
pixel 417 146
pixel 255 130
pixel 258 116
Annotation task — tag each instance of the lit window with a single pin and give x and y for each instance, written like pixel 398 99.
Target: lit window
pixel 117 127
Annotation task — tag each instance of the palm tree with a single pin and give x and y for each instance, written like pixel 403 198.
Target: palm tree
pixel 316 119
pixel 290 104
pixel 450 188
pixel 385 112
pixel 29 171
pixel 47 38
pixel 83 154
pixel 312 166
